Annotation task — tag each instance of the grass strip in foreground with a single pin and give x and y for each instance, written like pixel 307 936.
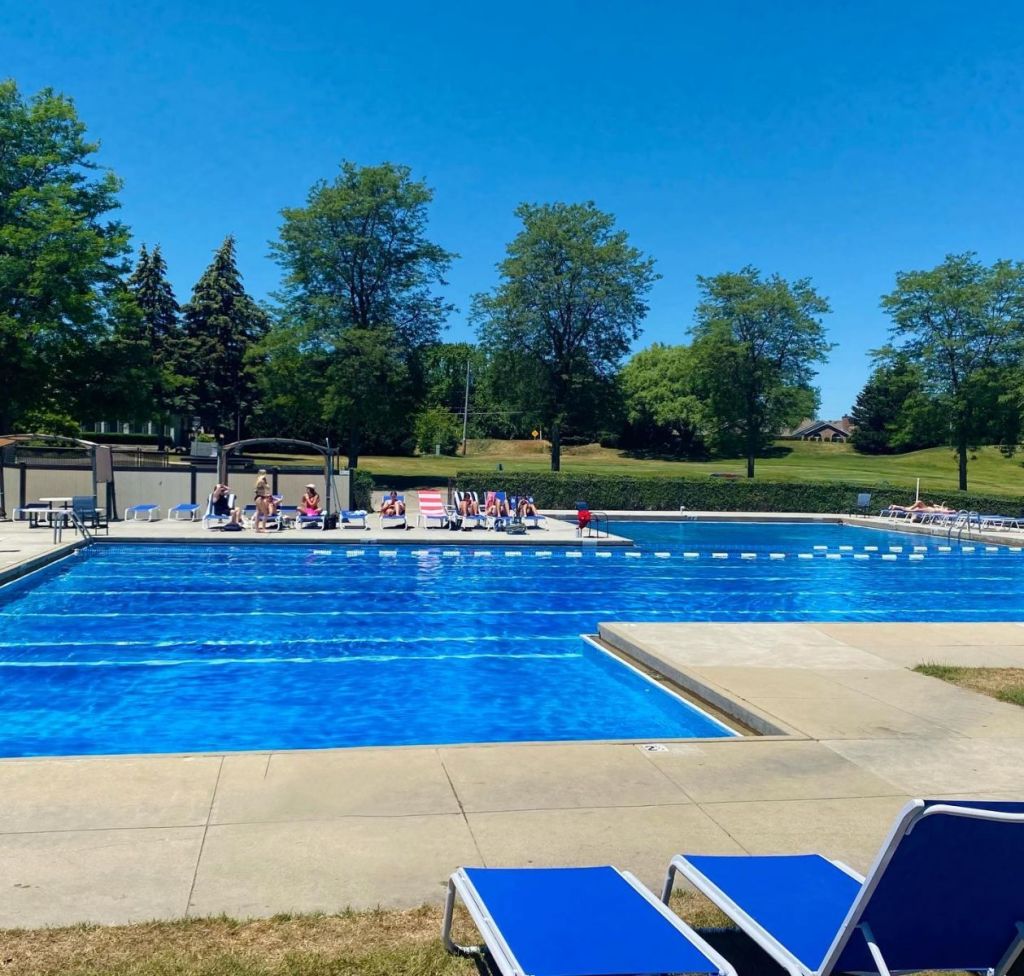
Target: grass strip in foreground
pixel 368 943
pixel 1004 684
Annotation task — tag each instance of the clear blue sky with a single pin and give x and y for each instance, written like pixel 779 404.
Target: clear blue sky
pixel 839 141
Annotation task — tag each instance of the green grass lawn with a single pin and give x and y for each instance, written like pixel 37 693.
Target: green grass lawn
pixel 988 472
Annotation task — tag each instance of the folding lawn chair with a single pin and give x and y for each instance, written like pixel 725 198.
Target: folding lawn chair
pixel 945 893
pixel 594 921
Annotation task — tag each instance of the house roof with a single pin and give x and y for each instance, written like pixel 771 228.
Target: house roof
pixel 811 427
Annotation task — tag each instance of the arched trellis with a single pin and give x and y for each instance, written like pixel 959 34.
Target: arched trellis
pixel 100 456
pixel 323 449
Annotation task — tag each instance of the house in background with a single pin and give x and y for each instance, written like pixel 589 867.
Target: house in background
pixel 833 431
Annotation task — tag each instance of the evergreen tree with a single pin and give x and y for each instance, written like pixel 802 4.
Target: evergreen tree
pixel 222 323
pixel 158 327
pixel 893 413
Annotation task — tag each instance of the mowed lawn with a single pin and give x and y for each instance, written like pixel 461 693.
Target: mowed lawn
pixel 989 472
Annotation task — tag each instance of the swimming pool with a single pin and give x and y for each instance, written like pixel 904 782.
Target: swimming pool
pixel 182 648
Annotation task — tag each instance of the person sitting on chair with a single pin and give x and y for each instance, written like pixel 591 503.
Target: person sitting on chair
pixel 221 507
pixel 310 504
pixel 468 505
pixel 392 505
pixel 525 506
pixel 497 506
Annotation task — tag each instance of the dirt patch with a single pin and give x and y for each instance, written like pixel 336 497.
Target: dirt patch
pixel 1005 684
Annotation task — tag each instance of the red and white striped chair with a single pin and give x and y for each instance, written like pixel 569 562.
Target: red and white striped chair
pixel 432 510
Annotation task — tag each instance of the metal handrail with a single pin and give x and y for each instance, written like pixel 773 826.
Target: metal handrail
pixel 71 515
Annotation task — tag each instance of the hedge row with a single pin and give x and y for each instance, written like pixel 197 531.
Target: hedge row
pixel 654 493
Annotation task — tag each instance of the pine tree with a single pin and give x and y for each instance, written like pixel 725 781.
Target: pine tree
pixel 222 323
pixel 159 328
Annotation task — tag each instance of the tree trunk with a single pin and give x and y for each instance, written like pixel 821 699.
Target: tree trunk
pixel 961 450
pixel 751 453
pixel 353 448
pixel 556 446
pixel 750 465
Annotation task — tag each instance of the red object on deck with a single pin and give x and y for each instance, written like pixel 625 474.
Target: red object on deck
pixel 583 518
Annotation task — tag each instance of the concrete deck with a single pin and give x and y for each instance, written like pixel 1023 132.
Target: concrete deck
pixel 128 838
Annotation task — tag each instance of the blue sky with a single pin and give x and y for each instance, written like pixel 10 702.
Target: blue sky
pixel 837 141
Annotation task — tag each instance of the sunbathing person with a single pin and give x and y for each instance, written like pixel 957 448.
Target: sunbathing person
pixel 497 506
pixel 525 506
pixel 220 501
pixel 310 504
pixel 392 505
pixel 468 505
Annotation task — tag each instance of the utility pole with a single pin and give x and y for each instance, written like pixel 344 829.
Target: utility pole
pixel 465 412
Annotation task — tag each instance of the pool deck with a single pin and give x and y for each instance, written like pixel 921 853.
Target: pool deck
pixel 854 735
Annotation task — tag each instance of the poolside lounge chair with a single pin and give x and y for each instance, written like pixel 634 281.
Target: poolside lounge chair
pixel 530 521
pixel 496 498
pixel 134 513
pixel 594 921
pixel 185 512
pixel 353 518
pixel 273 522
pixel 944 893
pixel 469 521
pixel 210 520
pixel 432 510
pixel 393 521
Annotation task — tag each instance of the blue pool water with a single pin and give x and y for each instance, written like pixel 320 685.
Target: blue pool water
pixel 133 649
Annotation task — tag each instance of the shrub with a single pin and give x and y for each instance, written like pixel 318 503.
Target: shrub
pixel 361 487
pixel 654 493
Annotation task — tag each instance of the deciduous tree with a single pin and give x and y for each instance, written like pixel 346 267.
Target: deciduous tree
pixel 961 322
pixel 755 344
pixel 570 301
pixel 359 294
pixel 61 256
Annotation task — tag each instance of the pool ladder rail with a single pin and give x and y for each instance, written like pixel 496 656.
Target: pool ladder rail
pixel 962 520
pixel 69 516
pixel 598 523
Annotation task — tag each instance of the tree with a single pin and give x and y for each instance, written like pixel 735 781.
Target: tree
pixel 663 411
pixel 755 343
pixel 570 301
pixel 61 256
pixel 223 325
pixel 961 322
pixel 436 426
pixel 159 328
pixel 894 413
pixel 358 295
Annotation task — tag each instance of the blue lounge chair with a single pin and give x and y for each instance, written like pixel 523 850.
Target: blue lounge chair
pixel 185 512
pixel 353 518
pixel 944 893
pixel 135 512
pixel 393 521
pixel 211 519
pixel 574 922
pixel 469 521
